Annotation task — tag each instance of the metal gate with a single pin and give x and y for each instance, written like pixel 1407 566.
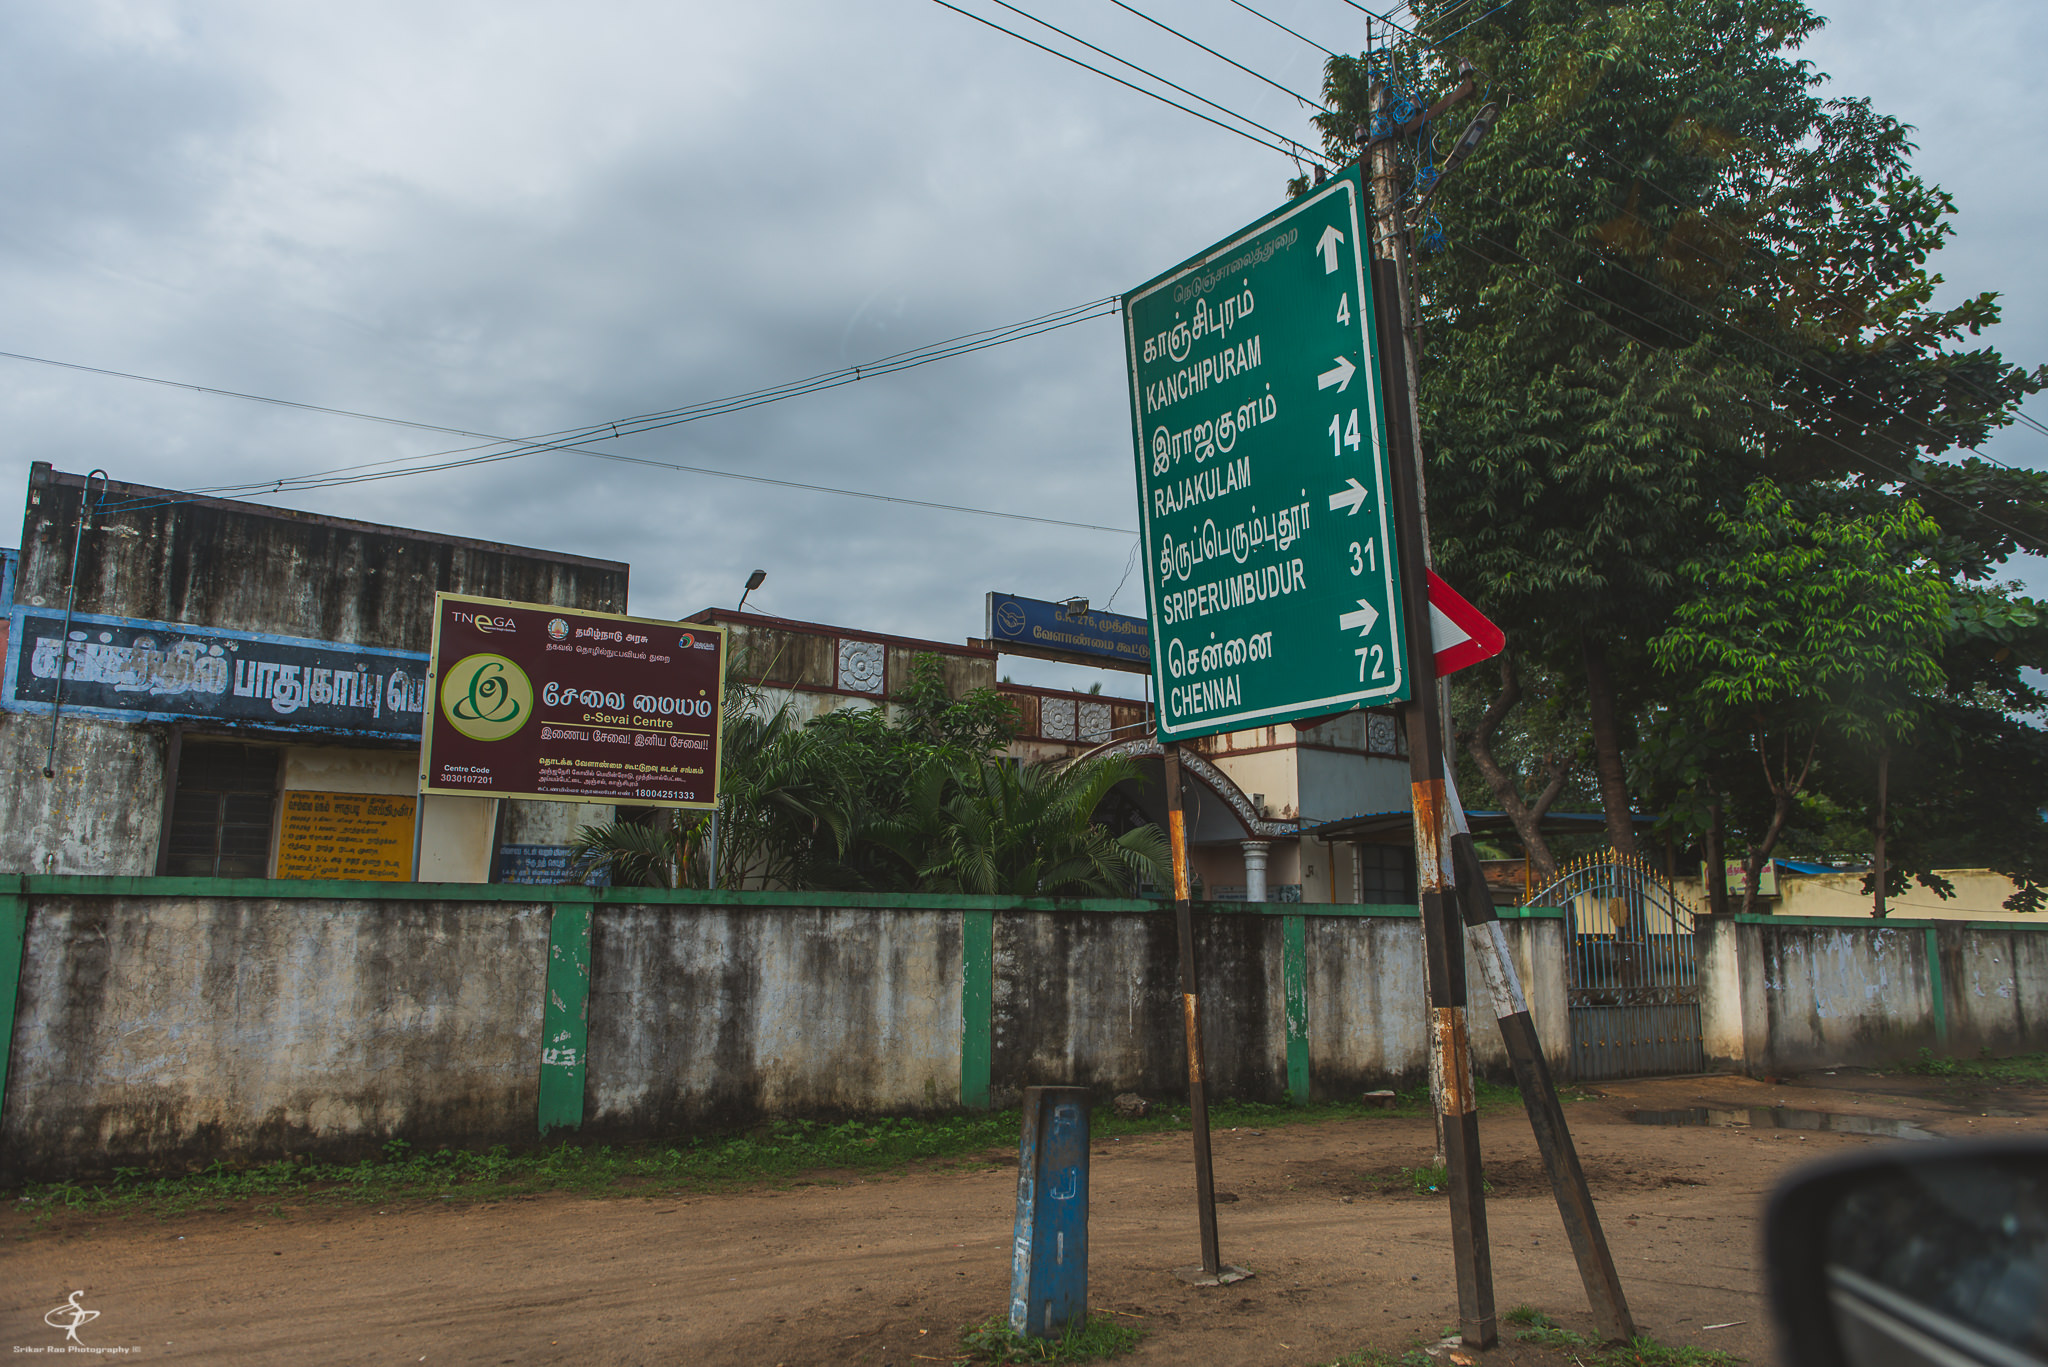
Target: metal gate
pixel 1631 970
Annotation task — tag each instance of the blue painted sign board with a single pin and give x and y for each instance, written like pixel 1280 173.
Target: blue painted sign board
pixel 134 670
pixel 1032 626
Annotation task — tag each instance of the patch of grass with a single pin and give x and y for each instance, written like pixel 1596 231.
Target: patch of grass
pixel 2023 1068
pixel 1381 1357
pixel 1432 1179
pixel 993 1341
pixel 770 1153
pixel 1647 1352
pixel 1533 1326
pixel 781 1152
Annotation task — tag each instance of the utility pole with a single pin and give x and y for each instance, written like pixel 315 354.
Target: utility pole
pixel 1443 956
pixel 1447 862
pixel 1212 1271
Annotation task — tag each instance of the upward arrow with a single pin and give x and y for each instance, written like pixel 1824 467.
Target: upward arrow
pixel 1327 245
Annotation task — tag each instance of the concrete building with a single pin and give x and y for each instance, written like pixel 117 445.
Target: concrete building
pixel 1249 793
pixel 242 689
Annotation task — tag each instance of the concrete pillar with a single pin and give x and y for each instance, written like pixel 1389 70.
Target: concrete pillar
pixel 1254 870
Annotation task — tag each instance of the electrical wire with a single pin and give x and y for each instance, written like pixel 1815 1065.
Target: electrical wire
pixel 1219 56
pixel 1026 14
pixel 1282 147
pixel 1282 27
pixel 964 344
pixel 1383 18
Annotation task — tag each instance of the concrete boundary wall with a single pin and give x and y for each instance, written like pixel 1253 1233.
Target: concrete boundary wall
pixel 1783 993
pixel 166 1021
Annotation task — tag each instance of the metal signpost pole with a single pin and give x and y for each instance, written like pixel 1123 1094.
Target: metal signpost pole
pixel 1489 952
pixel 1445 960
pixel 1447 857
pixel 1212 1269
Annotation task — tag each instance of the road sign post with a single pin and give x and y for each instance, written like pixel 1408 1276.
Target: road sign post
pixel 1270 572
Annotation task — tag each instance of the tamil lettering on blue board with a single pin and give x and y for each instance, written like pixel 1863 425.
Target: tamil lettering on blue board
pixel 1076 630
pixel 541 864
pixel 162 671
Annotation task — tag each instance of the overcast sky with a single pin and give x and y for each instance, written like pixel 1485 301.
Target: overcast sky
pixel 523 216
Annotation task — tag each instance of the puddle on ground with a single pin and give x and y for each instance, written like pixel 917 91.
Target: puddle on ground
pixel 1784 1118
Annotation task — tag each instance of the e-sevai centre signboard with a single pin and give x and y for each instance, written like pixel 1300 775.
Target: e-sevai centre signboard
pixel 527 700
pixel 1263 476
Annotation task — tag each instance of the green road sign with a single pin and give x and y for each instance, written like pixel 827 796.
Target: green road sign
pixel 1263 477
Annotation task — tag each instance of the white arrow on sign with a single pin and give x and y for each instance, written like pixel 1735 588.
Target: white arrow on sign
pixel 1363 619
pixel 1349 499
pixel 1327 245
pixel 1338 375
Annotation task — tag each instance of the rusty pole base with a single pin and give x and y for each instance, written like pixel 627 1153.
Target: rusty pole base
pixel 1196 1276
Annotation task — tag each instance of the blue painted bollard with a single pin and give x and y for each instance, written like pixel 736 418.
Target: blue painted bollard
pixel 1049 1264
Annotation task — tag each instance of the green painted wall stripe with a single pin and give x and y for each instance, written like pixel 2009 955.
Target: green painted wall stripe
pixel 1294 994
pixel 13 939
pixel 565 1022
pixel 977 1004
pixel 1940 1004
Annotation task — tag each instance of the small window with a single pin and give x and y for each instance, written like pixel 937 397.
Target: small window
pixel 1386 874
pixel 222 814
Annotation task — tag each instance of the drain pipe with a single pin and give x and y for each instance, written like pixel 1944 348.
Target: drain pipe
pixel 70 599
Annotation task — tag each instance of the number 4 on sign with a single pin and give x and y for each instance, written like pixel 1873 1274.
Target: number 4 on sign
pixel 1459 633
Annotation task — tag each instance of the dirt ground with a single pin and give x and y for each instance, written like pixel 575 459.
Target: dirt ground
pixel 887 1269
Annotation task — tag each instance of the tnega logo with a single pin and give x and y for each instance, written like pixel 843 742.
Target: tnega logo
pixel 486 623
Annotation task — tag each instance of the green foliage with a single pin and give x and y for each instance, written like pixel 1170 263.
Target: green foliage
pixel 993 1341
pixel 986 827
pixel 781 1151
pixel 912 797
pixel 1675 269
pixel 1533 1326
pixel 1813 622
pixel 2032 1068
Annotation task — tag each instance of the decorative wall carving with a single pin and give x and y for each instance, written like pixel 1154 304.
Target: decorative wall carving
pixel 860 666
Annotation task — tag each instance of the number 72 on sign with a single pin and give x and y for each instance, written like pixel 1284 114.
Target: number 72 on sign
pixel 1263 479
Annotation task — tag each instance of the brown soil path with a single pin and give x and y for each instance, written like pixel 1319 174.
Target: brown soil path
pixel 888 1269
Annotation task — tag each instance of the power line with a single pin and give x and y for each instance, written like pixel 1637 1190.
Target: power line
pixel 1026 14
pixel 233 394
pixel 964 344
pixel 1383 18
pixel 1282 27
pixel 1283 147
pixel 1219 56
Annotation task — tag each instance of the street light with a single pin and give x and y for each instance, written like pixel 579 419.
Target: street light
pixel 753 582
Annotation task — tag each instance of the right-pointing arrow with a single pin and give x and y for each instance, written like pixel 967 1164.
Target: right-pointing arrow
pixel 1363 619
pixel 1338 375
pixel 1349 499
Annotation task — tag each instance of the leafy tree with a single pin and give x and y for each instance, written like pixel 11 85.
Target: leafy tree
pixel 912 797
pixel 990 826
pixel 1803 630
pixel 1673 269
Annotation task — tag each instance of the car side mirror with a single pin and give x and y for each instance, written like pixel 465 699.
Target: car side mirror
pixel 1920 1256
